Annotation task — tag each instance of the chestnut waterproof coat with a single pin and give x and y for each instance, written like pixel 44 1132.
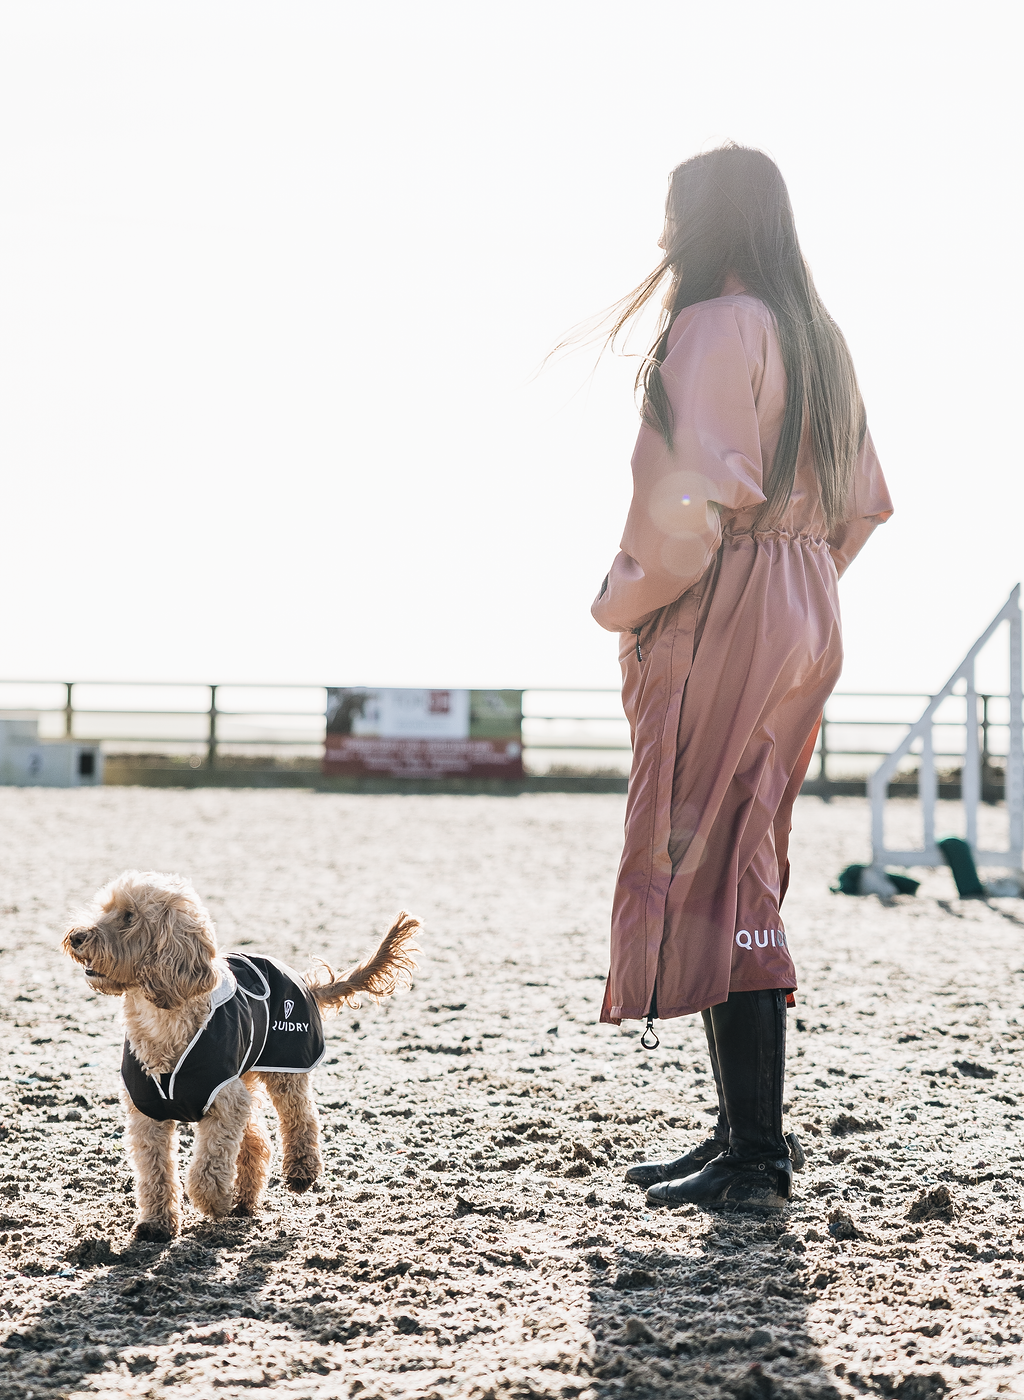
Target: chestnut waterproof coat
pixel 730 645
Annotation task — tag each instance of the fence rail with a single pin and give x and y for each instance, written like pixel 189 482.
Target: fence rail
pixel 209 722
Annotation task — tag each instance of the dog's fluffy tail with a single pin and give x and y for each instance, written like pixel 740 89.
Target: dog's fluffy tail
pixel 379 975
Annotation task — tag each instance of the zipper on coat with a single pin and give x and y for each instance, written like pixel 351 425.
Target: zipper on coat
pixel 636 633
pixel 649 1028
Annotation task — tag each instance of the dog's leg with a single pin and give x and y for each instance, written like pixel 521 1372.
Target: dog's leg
pixel 253 1158
pixel 152 1151
pixel 211 1177
pixel 292 1097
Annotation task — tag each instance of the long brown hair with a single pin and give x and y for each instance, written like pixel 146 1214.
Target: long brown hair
pixel 729 211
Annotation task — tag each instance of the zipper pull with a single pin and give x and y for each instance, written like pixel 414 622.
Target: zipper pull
pixel 649 1030
pixel 636 633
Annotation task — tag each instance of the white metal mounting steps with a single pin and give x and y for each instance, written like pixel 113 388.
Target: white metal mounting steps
pixel 927 787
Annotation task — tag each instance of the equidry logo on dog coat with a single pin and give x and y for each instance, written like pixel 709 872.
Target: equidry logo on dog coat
pixel 285 1024
pixel 776 937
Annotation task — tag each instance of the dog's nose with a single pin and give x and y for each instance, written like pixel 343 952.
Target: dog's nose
pixel 77 938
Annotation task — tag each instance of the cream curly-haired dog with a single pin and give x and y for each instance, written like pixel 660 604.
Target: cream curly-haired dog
pixel 202 1032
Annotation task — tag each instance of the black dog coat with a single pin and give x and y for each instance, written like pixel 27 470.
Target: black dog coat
pixel 262 1016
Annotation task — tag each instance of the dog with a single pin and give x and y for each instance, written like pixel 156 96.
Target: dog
pixel 203 1032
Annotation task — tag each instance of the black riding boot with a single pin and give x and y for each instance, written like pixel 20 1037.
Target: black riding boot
pixel 650 1173
pixel 750 1040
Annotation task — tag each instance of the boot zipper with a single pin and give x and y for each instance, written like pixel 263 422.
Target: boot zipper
pixel 636 633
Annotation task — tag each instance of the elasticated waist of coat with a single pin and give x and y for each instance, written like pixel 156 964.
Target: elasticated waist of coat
pixel 262 1017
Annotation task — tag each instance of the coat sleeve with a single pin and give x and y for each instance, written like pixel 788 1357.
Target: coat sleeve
pixel 674 525
pixel 870 506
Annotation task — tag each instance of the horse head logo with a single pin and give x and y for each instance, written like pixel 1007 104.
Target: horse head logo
pixel 289 1007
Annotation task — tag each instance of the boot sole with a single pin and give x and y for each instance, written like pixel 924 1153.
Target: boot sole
pixel 750 1195
pixel 772 1207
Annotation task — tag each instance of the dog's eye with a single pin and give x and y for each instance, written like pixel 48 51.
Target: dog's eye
pixel 128 916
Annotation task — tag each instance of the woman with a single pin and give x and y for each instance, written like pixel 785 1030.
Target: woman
pixel 755 485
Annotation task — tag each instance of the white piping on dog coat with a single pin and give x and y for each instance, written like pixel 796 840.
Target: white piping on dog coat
pixel 262 1017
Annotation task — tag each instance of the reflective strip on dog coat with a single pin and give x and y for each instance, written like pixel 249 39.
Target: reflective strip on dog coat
pixel 262 1017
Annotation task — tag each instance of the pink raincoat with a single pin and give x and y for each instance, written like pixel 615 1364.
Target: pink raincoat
pixel 730 647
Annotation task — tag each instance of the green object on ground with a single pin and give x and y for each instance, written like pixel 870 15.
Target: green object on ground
pixel 957 855
pixel 904 884
pixel 849 881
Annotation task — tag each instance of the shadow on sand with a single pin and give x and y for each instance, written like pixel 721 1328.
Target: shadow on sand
pixel 727 1318
pixel 151 1294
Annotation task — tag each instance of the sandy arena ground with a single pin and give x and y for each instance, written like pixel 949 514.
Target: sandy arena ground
pixel 473 1236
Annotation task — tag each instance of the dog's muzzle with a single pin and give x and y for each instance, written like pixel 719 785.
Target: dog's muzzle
pixel 76 941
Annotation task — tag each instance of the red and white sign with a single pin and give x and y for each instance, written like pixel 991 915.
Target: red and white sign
pixel 424 733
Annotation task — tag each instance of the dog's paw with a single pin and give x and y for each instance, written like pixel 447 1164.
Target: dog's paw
pixel 244 1212
pixel 298 1184
pixel 153 1231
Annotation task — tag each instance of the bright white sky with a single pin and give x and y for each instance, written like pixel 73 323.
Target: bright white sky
pixel 276 279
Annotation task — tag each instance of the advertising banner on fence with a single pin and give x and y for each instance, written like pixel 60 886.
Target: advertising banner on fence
pixel 424 733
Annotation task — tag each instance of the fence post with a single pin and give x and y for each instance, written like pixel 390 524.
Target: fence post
pixel 986 758
pixel 1015 757
pixel 927 786
pixel 211 745
pixel 69 713
pixel 970 775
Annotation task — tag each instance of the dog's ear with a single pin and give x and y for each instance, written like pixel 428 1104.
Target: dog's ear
pixel 181 966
